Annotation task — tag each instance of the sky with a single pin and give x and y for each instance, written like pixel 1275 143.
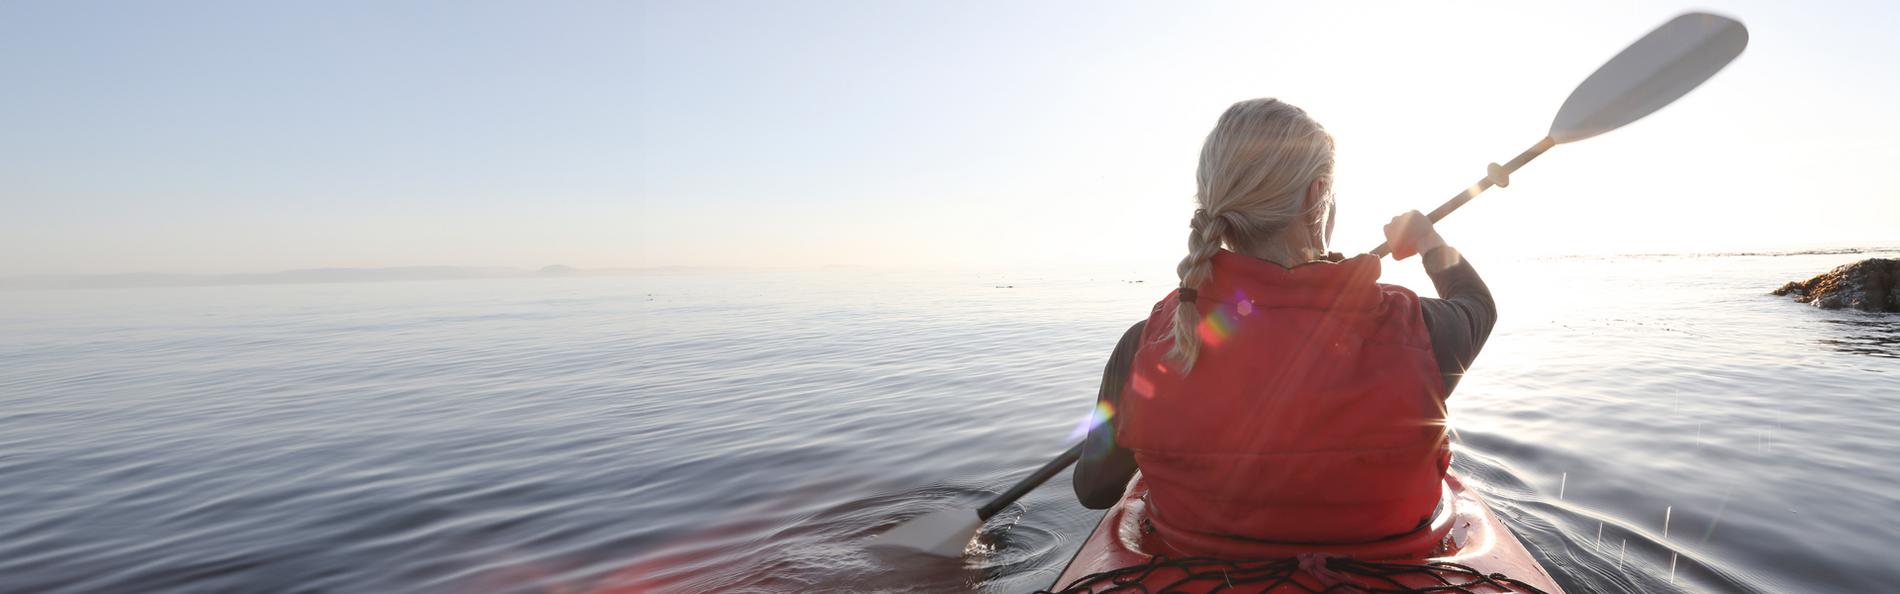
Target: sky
pixel 216 137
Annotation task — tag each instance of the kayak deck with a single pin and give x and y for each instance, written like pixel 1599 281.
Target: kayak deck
pixel 1465 533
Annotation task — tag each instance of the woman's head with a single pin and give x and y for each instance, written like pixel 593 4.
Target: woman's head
pixel 1264 188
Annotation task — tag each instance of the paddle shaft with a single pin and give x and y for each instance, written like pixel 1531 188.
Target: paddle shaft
pixel 1043 474
pixel 1477 188
pixel 1656 70
pixel 1035 479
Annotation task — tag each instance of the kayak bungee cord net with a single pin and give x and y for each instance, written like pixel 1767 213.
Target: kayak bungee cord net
pixel 1336 575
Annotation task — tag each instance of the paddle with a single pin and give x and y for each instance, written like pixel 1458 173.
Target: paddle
pixel 1656 70
pixel 946 532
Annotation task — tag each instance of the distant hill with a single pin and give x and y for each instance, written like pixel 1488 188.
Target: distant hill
pixel 335 275
pixel 304 276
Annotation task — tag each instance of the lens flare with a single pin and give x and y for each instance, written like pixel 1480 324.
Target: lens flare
pixel 1215 327
pixel 1141 385
pixel 1101 414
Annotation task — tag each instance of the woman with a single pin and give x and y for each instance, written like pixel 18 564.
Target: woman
pixel 1281 394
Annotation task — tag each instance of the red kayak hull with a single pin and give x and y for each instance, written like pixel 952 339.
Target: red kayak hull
pixel 1465 533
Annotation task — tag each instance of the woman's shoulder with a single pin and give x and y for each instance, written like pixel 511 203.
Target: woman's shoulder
pixel 1397 296
pixel 1131 338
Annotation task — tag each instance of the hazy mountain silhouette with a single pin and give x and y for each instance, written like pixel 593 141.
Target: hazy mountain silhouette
pixel 305 276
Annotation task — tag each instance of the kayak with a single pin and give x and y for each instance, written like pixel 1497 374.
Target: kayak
pixel 1464 545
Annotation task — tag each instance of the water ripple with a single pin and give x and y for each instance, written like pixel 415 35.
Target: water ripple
pixel 751 433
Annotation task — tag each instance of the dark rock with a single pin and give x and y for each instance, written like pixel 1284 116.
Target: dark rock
pixel 1868 285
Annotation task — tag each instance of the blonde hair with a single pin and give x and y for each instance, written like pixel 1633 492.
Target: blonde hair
pixel 1255 169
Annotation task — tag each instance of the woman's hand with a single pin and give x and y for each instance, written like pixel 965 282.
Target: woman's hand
pixel 1411 233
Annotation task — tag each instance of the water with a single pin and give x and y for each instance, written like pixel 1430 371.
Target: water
pixel 749 432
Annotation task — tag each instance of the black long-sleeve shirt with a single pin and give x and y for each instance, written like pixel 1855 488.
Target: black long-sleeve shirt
pixel 1458 321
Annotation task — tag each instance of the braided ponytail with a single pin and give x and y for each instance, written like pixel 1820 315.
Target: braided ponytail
pixel 1204 240
pixel 1255 168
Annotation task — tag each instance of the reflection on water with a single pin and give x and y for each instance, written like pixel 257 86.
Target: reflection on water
pixel 1866 334
pixel 693 432
pixel 827 549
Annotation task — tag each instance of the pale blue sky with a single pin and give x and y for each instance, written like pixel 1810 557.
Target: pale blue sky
pixel 246 136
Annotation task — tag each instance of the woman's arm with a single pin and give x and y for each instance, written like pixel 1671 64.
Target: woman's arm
pixel 1105 468
pixel 1462 317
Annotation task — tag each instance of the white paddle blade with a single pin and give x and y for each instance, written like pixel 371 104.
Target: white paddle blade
pixel 942 533
pixel 1656 70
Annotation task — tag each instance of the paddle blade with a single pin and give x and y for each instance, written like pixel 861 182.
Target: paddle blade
pixel 943 533
pixel 1656 70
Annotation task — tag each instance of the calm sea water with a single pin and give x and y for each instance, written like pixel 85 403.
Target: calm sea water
pixel 1643 423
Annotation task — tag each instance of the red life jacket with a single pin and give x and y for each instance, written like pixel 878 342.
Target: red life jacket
pixel 1314 413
